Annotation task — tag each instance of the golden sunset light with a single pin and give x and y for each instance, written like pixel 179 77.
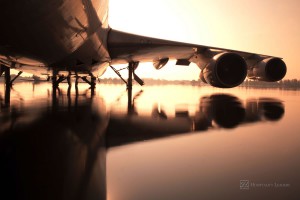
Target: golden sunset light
pixel 268 27
pixel 146 100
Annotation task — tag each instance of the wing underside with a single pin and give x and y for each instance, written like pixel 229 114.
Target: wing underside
pixel 126 47
pixel 220 67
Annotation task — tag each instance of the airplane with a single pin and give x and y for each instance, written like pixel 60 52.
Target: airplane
pixel 60 39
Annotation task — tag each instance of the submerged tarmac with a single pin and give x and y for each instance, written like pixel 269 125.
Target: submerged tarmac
pixel 55 144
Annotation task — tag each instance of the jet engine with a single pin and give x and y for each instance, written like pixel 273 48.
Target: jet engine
pixel 269 69
pixel 225 70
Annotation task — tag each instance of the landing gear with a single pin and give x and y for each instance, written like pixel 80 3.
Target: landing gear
pixel 17 76
pixel 91 82
pixel 8 81
pixel 131 68
pixel 69 84
pixel 57 79
pixel 131 75
pixel 7 86
pixel 1 70
pixel 129 86
pixel 7 78
pixel 6 71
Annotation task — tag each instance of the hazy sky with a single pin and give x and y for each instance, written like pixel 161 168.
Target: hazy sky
pixel 268 27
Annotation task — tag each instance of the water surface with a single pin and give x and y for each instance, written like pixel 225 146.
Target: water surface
pixel 170 142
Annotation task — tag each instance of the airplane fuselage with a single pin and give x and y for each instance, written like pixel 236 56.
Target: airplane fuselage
pixel 62 35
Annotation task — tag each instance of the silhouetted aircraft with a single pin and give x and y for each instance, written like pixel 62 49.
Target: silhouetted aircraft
pixel 59 39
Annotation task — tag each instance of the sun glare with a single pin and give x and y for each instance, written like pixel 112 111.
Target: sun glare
pixel 268 27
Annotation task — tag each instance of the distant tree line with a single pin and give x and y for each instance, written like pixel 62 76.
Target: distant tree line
pixel 284 84
pixel 149 81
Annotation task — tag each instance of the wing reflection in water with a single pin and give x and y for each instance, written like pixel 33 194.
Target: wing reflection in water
pixel 58 150
pixel 215 111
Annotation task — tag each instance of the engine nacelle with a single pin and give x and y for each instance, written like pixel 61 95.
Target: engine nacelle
pixel 269 69
pixel 225 70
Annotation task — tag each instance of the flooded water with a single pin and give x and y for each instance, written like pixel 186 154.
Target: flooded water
pixel 169 142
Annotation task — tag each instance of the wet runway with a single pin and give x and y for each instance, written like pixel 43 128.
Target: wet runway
pixel 169 142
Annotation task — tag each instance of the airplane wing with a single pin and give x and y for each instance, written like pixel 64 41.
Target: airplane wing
pixel 220 67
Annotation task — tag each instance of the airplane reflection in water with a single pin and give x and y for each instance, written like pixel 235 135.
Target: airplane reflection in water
pixel 58 151
pixel 215 111
pixel 55 152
